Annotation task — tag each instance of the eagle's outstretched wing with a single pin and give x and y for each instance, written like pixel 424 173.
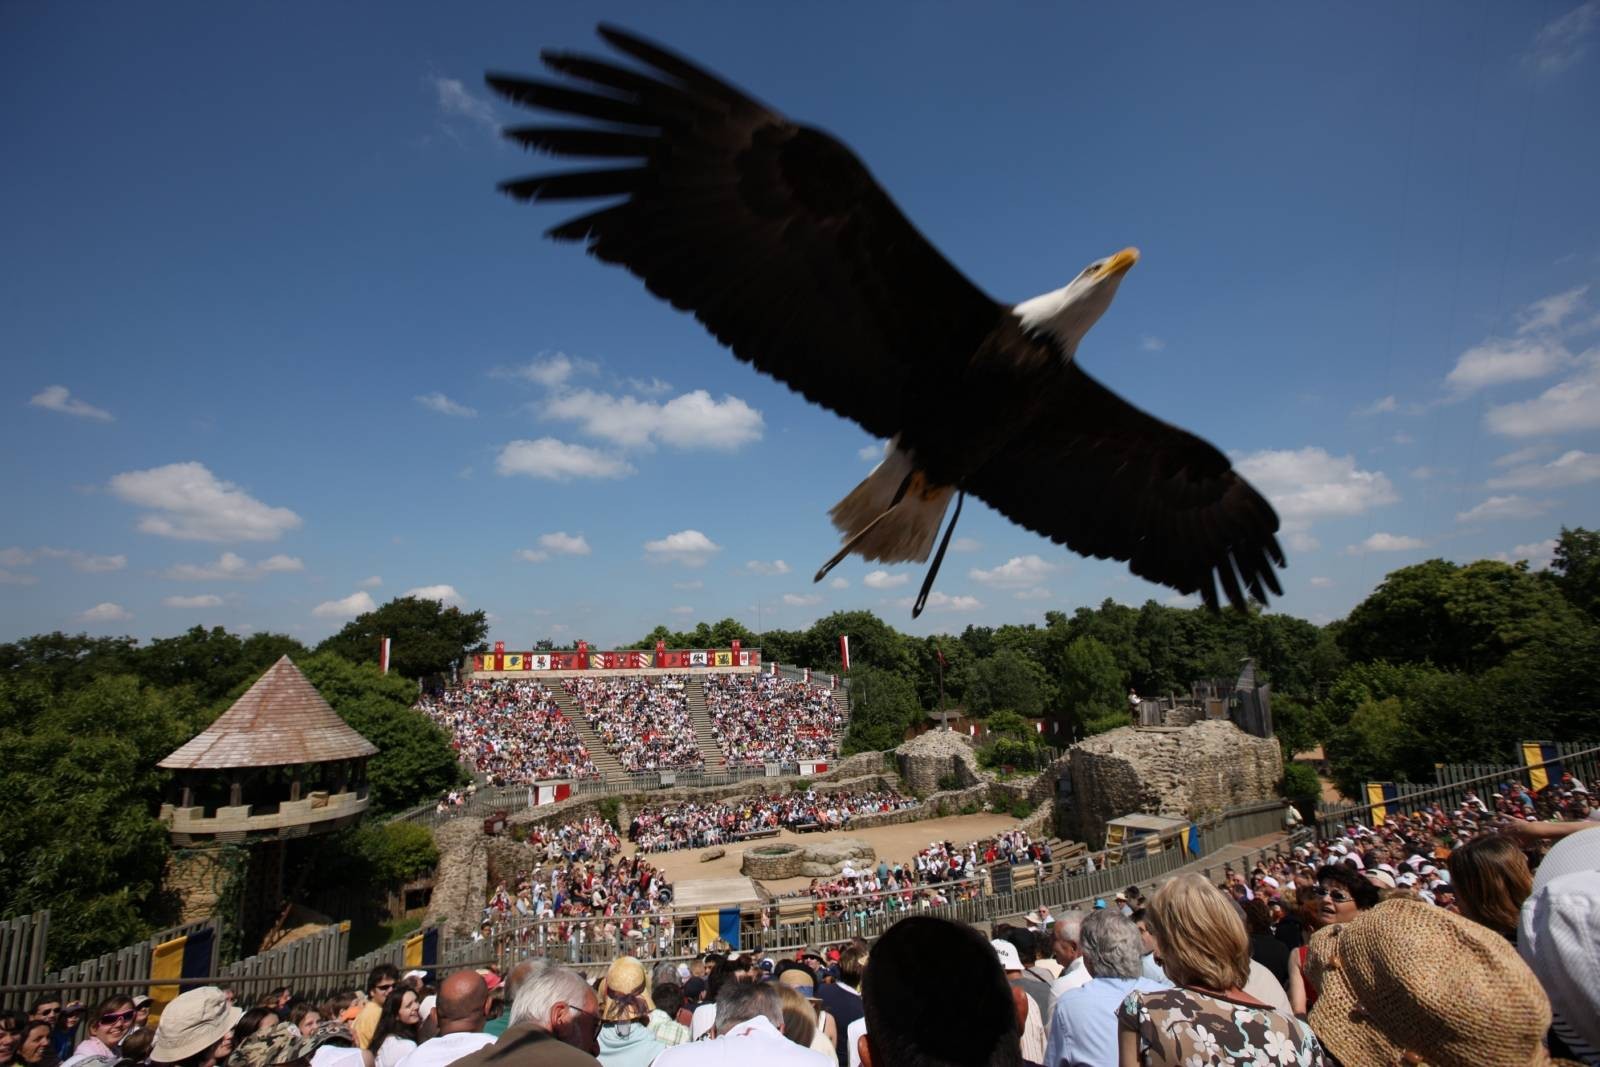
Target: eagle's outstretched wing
pixel 1111 481
pixel 772 234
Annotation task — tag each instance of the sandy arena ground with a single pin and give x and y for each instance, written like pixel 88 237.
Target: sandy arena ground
pixel 891 843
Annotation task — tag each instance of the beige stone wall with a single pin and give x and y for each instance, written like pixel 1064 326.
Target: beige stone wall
pixel 197 876
pixel 1185 772
pixel 930 757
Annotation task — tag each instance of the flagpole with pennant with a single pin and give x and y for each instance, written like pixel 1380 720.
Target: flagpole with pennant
pixel 944 716
pixel 383 654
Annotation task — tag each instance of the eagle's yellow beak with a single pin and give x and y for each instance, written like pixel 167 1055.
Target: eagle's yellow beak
pixel 1118 264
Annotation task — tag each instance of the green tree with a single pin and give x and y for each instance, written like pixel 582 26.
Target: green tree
pixel 213 663
pixel 883 705
pixel 415 762
pixel 426 637
pixel 396 852
pixel 1577 569
pixel 1371 746
pixel 1090 684
pixel 1007 680
pixel 61 661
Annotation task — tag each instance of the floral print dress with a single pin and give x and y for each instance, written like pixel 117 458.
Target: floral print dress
pixel 1186 1028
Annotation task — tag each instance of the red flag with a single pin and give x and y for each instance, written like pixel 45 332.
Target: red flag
pixel 383 654
pixel 937 651
pixel 844 650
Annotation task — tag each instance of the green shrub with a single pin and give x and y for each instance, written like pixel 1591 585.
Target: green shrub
pixel 397 852
pixel 1300 782
pixel 969 808
pixel 949 781
pixel 801 785
pixel 611 810
pixel 1019 808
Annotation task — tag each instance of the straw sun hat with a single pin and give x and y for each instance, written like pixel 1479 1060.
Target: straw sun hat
pixel 625 991
pixel 1409 983
pixel 192 1023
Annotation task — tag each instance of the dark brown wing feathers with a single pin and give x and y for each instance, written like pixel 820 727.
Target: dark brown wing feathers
pixel 776 237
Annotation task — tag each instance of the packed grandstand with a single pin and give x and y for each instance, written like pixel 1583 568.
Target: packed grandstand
pixel 515 731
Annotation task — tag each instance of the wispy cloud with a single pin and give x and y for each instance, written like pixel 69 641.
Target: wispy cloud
pixel 777 566
pixel 358 603
pixel 799 600
pixel 1148 343
pixel 444 594
pixel 874 452
pixel 1568 406
pixel 1540 554
pixel 689 421
pixel 681 610
pixel 232 567
pixel 559 461
pixel 370 583
pixel 189 503
pixel 1386 542
pixel 59 398
pixel 965 544
pixel 884 580
pixel 204 600
pixel 1502 360
pixel 1018 572
pixel 938 601
pixel 1503 507
pixel 559 543
pixel 1380 406
pixel 445 406
pixel 688 548
pixel 1320 582
pixel 106 612
pixel 86 562
pixel 1563 41
pixel 1574 467
pixel 1552 311
pixel 455 102
pixel 839 583
pixel 553 370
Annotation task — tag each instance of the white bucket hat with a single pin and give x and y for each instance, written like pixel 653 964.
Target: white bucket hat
pixel 192 1023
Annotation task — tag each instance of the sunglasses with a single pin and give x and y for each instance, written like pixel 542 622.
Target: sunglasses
pixel 1338 896
pixel 385 987
pixel 113 1017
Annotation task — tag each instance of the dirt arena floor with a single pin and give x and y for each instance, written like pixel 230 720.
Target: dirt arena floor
pixel 890 842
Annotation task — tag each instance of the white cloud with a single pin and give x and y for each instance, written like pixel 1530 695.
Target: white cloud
pixel 455 102
pixel 1503 507
pixel 1540 555
pixel 797 600
pixel 60 398
pixel 190 503
pixel 1563 41
pixel 15 557
pixel 1403 438
pixel 884 580
pixel 839 583
pixel 1386 542
pixel 1567 406
pixel 1151 344
pixel 85 562
pixel 648 386
pixel 1552 311
pixel 1520 456
pixel 681 609
pixel 1036 593
pixel 1320 582
pixel 552 370
pixel 1015 573
pixel 1182 600
pixel 1570 468
pixel 965 544
pixel 8 577
pixel 355 604
pixel 445 406
pixel 692 420
pixel 1500 360
pixel 1300 539
pixel 938 601
pixel 874 452
pixel 370 583
pixel 558 461
pixel 1423 473
pixel 757 566
pixel 1380 406
pixel 691 548
pixel 232 567
pixel 689 586
pixel 204 600
pixel 446 595
pixel 1308 483
pixel 106 612
pixel 559 543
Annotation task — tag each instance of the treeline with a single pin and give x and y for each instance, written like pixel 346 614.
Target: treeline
pixel 84 720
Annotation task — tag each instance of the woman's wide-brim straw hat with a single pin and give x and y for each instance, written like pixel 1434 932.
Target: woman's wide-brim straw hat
pixel 1408 982
pixel 625 991
pixel 192 1023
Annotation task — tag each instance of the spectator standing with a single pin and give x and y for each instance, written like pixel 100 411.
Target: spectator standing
pixel 554 1022
pixel 1028 1013
pixel 1343 894
pixel 1207 1018
pixel 1064 947
pixel 1559 937
pixel 380 983
pixel 1033 982
pixel 395 1036
pixel 749 1030
pixel 196 1029
pixel 842 997
pixel 462 1006
pixel 1083 1027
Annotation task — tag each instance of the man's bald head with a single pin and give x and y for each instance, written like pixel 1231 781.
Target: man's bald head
pixel 463 1003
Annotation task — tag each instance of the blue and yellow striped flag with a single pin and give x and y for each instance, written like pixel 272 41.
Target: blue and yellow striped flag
pixel 172 961
pixel 1543 761
pixel 719 925
pixel 422 949
pixel 1380 795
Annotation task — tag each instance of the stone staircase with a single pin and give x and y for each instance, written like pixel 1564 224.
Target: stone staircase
pixel 694 691
pixel 604 761
pixel 841 702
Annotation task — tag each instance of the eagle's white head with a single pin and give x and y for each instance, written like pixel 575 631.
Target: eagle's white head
pixel 1067 314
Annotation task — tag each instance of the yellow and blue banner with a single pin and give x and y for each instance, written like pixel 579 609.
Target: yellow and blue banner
pixel 422 949
pixel 173 961
pixel 1191 840
pixel 1543 761
pixel 719 925
pixel 1380 795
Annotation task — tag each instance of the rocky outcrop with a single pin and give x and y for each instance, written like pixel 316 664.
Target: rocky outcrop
pixel 462 883
pixel 792 860
pixel 712 854
pixel 1185 772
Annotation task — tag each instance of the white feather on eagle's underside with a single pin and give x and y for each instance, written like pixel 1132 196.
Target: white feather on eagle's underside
pixel 779 241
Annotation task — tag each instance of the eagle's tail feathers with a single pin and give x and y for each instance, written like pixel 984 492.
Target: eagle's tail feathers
pixel 893 516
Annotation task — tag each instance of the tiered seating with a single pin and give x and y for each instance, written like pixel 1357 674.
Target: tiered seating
pixel 767 719
pixel 645 722
pixel 692 824
pixel 510 730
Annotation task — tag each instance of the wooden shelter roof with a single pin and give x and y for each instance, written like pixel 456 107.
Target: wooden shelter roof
pixel 280 720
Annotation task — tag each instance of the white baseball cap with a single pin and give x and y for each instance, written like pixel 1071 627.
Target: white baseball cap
pixel 1009 960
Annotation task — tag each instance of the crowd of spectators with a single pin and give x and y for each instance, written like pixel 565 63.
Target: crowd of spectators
pixel 617 900
pixel 510 730
pixel 644 721
pixel 696 824
pixel 768 718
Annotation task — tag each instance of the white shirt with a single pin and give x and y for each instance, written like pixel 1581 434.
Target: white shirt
pixel 705 1016
pixel 853 1034
pixel 446 1049
pixel 751 1042
pixel 394 1050
pixel 1265 987
pixel 1076 975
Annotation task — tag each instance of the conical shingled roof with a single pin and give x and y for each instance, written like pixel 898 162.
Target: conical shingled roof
pixel 280 720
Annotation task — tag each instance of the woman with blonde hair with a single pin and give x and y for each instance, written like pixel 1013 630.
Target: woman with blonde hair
pixel 799 1017
pixel 1491 878
pixel 1207 1018
pixel 625 1037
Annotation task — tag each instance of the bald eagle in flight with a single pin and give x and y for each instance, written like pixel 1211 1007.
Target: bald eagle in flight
pixel 776 237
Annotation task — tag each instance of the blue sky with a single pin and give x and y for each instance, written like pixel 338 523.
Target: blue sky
pixel 273 347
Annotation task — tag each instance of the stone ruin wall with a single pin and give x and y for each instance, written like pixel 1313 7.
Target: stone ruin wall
pixel 1185 772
